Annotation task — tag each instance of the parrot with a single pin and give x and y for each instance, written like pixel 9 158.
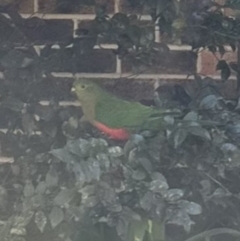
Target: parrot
pixel 115 117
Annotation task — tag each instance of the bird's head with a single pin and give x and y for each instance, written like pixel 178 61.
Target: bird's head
pixel 85 89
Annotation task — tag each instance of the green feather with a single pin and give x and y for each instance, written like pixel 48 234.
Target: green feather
pixel 118 113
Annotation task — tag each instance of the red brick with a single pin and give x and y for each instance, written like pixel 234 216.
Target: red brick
pixel 95 61
pixel 54 6
pixel 26 6
pixel 60 88
pixel 137 9
pixel 47 6
pixel 177 62
pixel 208 61
pixel 40 31
pixel 130 89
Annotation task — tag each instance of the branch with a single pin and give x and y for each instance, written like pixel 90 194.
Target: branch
pixel 214 232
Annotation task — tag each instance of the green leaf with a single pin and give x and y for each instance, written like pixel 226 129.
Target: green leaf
pixel 179 23
pixel 221 50
pixel 234 66
pixel 120 20
pixel 64 197
pixel 191 208
pixel 174 194
pixel 225 70
pixel 225 73
pixel 234 4
pixel 52 178
pixel 28 189
pixel 56 217
pixel 212 48
pixel 157 231
pixel 137 230
pixel 199 131
pixel 63 155
pixel 40 220
pixel 179 137
pixel 233 46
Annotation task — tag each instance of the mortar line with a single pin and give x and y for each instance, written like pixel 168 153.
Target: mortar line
pixel 35 6
pixel 118 65
pixel 75 27
pixel 116 6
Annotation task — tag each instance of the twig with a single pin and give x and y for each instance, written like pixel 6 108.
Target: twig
pixel 216 181
pixel 214 232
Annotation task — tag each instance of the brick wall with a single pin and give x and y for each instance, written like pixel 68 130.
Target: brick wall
pixel 58 26
pixel 101 63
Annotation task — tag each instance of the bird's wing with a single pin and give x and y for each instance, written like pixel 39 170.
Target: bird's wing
pixel 122 114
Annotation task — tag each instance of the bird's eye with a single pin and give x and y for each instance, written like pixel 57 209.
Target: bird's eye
pixel 83 86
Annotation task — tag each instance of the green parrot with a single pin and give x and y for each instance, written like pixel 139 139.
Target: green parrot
pixel 115 117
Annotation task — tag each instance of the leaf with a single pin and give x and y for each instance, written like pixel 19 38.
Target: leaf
pixel 158 186
pixel 19 231
pixel 122 228
pixel 106 194
pixel 146 201
pixel 179 136
pixel 78 147
pixel 228 147
pixel 225 73
pixel 233 46
pixel 158 176
pixel 179 23
pixel 147 36
pixel 173 195
pixel 200 132
pixel 137 230
pixel 191 208
pixel 225 69
pixel 97 146
pixel 28 123
pixel 146 164
pixel 221 50
pixel 12 104
pixel 134 32
pixel 212 48
pixel 41 188
pixel 56 216
pixel 23 219
pixel 219 193
pixel 209 102
pixel 40 220
pixel 90 201
pixel 157 231
pixel 179 217
pixel 87 171
pixel 120 20
pixel 52 178
pixel 62 155
pixel 115 151
pixel 88 190
pixel 162 48
pixel 64 197
pixel 16 59
pixel 130 215
pixel 28 189
pixel 139 175
pixel 234 66
pixel 103 160
pixel 191 116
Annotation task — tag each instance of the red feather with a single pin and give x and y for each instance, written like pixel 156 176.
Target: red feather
pixel 116 134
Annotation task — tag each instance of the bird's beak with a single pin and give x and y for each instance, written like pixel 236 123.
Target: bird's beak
pixel 73 90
